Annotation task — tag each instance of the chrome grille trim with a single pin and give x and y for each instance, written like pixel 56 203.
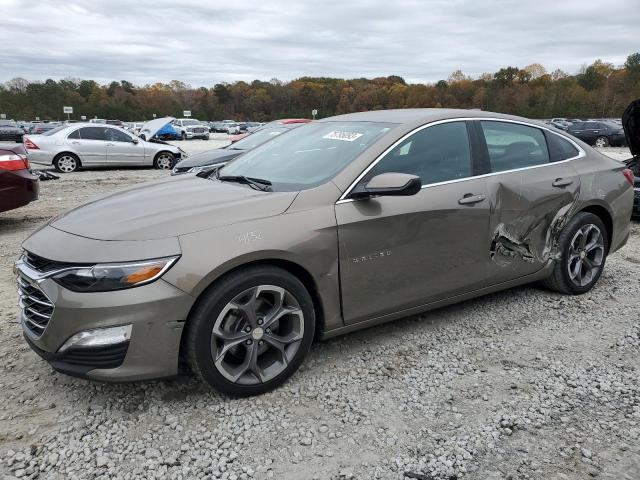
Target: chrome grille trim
pixel 37 308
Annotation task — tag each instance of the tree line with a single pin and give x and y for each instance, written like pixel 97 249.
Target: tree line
pixel 597 90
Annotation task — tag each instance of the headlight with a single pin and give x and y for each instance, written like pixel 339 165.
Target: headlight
pixel 105 277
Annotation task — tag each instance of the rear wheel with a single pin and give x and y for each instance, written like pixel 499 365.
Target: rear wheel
pixel 164 161
pixel 583 251
pixel 66 163
pixel 251 331
pixel 602 142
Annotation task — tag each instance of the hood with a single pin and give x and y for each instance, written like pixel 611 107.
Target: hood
pixel 171 208
pixel 631 125
pixel 149 129
pixel 210 157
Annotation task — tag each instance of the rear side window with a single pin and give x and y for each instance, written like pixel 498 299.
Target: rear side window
pixel 92 133
pixel 435 154
pixel 559 148
pixel 512 146
pixel 74 134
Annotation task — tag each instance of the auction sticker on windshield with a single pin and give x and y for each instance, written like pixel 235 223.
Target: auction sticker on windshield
pixel 342 135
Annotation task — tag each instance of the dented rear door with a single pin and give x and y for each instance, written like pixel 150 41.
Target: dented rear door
pixel 532 192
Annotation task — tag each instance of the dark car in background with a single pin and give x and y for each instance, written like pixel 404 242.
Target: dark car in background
pixel 220 156
pixel 10 131
pixel 18 185
pixel 598 133
pixel 631 124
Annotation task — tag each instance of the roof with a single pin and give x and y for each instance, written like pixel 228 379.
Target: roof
pixel 417 115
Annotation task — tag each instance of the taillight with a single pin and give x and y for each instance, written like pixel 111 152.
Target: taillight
pixel 13 161
pixel 628 174
pixel 29 145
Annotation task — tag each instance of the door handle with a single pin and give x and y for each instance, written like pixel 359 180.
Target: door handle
pixel 562 182
pixel 470 199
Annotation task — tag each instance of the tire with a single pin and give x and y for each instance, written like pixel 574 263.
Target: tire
pixel 206 138
pixel 561 278
pixel 602 142
pixel 164 161
pixel 66 163
pixel 183 136
pixel 233 372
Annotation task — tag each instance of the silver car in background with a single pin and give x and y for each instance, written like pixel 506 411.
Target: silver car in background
pixel 70 147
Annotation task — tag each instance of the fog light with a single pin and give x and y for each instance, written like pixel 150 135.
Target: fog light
pixel 98 337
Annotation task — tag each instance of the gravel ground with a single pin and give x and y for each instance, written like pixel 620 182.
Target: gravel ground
pixel 522 384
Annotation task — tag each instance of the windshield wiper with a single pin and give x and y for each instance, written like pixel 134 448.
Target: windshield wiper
pixel 259 183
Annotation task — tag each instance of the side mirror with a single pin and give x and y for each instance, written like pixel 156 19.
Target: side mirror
pixel 391 184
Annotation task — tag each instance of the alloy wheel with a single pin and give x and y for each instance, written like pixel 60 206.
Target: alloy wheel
pixel 586 254
pixel 67 164
pixel 257 334
pixel 601 142
pixel 164 161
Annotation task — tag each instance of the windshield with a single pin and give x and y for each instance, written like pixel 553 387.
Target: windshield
pixel 190 122
pixel 252 141
pixel 307 156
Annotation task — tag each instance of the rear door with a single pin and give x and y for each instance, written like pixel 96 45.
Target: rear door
pixel 121 149
pixel 532 189
pixel 91 145
pixel 401 252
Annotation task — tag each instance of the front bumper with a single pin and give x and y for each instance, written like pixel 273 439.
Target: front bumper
pixel 156 313
pixel 197 135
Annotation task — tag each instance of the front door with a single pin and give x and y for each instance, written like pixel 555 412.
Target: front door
pixel 401 252
pixel 121 149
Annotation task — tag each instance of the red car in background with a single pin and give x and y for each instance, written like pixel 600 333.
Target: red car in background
pixel 284 121
pixel 18 185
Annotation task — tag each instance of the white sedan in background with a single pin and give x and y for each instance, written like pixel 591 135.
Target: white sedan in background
pixel 84 145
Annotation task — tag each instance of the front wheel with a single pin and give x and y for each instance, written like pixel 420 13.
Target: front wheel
pixel 602 142
pixel 251 331
pixel 184 136
pixel 164 161
pixel 583 247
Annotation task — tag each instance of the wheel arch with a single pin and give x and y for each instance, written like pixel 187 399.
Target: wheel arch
pixel 603 214
pixel 159 152
pixel 67 152
pixel 294 268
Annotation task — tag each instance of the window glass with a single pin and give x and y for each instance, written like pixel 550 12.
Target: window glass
pixel 92 133
pixel 513 146
pixel 114 135
pixel 559 148
pixel 435 154
pixel 307 156
pixel 258 137
pixel 75 134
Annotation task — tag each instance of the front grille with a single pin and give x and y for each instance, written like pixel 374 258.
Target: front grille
pixel 36 307
pixel 42 264
pixel 198 130
pixel 109 356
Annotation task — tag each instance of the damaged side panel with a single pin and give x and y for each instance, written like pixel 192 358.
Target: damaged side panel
pixel 529 208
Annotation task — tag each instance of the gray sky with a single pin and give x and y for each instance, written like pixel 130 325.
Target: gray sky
pixel 203 43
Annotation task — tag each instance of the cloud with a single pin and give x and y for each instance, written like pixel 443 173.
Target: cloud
pixel 203 44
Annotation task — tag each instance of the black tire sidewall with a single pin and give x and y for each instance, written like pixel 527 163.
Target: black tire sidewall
pixel 579 221
pixel 215 300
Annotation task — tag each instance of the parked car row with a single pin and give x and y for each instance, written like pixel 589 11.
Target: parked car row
pixel 73 146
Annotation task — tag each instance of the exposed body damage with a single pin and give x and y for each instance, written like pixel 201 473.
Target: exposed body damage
pixel 508 242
